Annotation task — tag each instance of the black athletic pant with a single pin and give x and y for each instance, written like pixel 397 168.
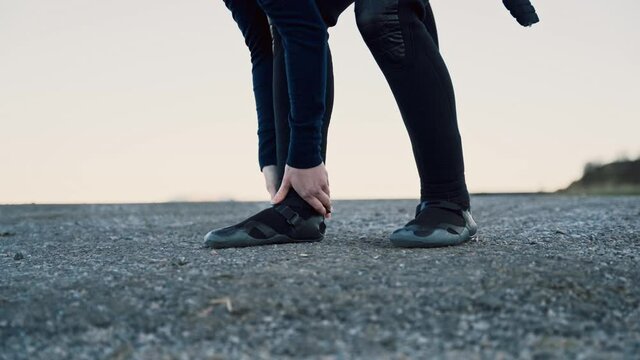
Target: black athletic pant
pixel 330 10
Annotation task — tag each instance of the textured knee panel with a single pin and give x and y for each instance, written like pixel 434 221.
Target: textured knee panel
pixel 379 24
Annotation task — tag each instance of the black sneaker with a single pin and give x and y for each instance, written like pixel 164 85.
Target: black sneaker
pixel 278 224
pixel 436 223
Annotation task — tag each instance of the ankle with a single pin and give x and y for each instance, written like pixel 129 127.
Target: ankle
pixel 297 203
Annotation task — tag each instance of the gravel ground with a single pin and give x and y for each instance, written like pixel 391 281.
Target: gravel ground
pixel 548 277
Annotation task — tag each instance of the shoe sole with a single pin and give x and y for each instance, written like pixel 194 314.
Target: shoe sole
pixel 439 238
pixel 217 242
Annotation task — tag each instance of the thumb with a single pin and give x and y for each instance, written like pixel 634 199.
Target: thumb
pixel 282 192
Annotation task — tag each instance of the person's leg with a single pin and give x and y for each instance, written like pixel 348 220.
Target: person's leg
pixel 401 35
pixel 330 11
pixel 304 40
pixel 254 26
pixel 281 113
pixel 279 223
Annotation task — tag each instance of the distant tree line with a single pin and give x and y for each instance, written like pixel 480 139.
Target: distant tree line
pixel 619 177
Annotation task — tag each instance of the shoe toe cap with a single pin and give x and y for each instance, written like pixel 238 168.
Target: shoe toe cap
pixel 211 238
pixel 226 237
pixel 410 237
pixel 219 238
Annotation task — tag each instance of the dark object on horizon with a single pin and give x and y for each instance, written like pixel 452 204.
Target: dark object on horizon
pixel 523 11
pixel 620 177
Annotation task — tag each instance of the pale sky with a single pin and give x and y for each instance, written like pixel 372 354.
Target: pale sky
pixel 150 101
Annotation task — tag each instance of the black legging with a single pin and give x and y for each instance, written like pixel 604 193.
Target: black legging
pixel 281 105
pixel 330 10
pixel 402 37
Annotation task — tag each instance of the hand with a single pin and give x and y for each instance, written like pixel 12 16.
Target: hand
pixel 311 184
pixel 271 179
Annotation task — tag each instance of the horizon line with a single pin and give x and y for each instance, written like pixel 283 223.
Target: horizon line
pixel 481 194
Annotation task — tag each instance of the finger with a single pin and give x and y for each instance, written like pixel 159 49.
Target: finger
pixel 280 195
pixel 326 189
pixel 325 200
pixel 282 192
pixel 316 204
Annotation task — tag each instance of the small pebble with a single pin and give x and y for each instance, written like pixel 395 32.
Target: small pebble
pixel 180 261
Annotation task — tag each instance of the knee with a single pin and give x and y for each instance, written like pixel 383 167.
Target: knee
pixel 369 20
pixel 296 20
pixel 331 10
pixel 379 25
pixel 330 20
pixel 260 47
pixel 310 31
